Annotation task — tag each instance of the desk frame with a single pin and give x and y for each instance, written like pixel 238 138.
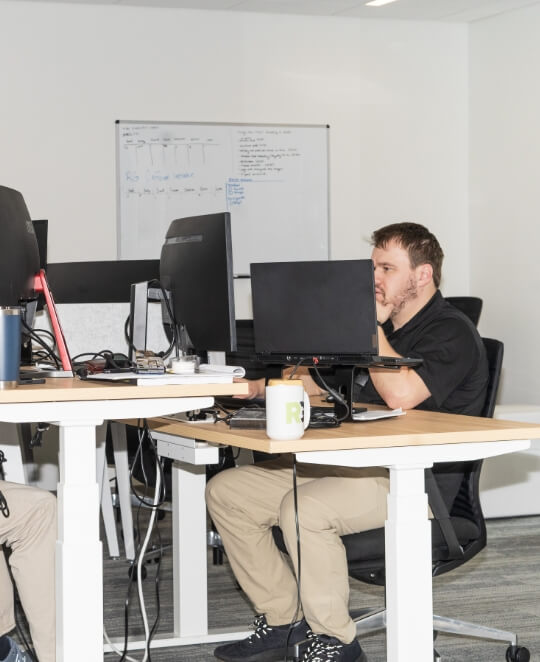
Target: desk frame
pixel 77 409
pixel 409 632
pixel 407 455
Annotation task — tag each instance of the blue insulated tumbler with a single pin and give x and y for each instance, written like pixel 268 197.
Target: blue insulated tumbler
pixel 10 346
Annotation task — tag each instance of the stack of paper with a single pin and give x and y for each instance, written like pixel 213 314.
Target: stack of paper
pixel 207 374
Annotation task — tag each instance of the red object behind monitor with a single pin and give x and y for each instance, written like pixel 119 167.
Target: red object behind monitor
pixel 41 285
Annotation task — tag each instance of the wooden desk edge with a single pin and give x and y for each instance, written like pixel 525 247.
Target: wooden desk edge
pixel 422 429
pixel 73 389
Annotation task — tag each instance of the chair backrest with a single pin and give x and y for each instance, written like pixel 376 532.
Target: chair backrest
pixel 495 353
pixel 471 306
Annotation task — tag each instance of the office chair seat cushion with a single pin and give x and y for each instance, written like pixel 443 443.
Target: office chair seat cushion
pixel 369 545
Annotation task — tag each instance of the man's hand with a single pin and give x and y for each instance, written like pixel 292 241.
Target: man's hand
pixel 384 310
pixel 255 388
pixel 310 386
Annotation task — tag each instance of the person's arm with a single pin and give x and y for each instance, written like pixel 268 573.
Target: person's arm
pixel 398 388
pixel 310 385
pixel 256 387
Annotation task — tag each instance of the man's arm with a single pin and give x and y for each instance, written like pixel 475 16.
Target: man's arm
pixel 398 388
pixel 256 387
pixel 310 385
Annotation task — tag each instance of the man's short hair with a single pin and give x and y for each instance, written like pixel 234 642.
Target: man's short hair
pixel 421 245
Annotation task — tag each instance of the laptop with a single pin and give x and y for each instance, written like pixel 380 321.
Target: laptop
pixel 319 312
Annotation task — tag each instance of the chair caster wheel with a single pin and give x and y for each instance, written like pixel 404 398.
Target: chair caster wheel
pixel 517 654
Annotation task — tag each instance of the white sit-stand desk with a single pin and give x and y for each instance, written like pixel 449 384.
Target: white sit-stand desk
pixel 77 407
pixel 406 445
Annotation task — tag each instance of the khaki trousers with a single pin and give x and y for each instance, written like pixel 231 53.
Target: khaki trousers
pixel 245 502
pixel 30 532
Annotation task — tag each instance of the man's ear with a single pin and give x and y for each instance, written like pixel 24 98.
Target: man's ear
pixel 424 274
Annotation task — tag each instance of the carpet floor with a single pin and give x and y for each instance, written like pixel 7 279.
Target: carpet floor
pixel 499 588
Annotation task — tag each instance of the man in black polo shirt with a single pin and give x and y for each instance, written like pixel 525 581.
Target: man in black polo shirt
pixel 245 502
pixel 416 321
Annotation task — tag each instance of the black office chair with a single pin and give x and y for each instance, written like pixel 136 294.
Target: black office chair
pixel 471 306
pixel 458 534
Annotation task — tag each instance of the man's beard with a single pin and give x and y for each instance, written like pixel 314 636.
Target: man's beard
pixel 408 293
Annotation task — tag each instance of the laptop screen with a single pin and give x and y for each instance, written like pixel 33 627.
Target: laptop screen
pixel 323 309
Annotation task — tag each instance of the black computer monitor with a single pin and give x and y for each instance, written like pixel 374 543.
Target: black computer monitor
pixel 196 267
pixel 19 255
pixel 19 261
pixel 41 230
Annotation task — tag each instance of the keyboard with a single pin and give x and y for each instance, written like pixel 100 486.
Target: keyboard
pixel 254 417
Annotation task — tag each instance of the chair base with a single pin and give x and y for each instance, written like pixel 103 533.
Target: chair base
pixel 371 620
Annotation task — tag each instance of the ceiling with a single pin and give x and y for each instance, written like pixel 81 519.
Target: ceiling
pixel 430 10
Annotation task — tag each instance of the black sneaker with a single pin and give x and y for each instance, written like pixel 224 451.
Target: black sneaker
pixel 329 649
pixel 16 654
pixel 266 644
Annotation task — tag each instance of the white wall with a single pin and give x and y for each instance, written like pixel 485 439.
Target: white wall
pixel 504 191
pixel 394 93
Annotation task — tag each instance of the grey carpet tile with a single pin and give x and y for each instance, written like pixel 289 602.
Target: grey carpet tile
pixel 499 588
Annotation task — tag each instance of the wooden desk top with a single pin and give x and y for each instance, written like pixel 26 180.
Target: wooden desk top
pixel 415 428
pixel 73 389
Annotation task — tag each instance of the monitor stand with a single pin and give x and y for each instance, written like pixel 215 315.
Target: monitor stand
pixel 343 380
pixel 141 294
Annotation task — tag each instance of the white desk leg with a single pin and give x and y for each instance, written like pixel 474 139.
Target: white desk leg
pixel 119 439
pixel 189 543
pixel 107 510
pixel 79 601
pixel 408 568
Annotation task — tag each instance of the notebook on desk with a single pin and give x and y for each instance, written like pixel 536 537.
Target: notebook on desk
pixel 163 379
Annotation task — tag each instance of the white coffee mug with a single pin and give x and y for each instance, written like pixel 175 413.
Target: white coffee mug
pixel 287 409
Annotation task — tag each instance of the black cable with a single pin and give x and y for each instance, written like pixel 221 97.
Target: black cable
pixel 174 341
pixel 127 336
pixel 299 559
pixel 137 538
pixel 291 376
pixel 47 333
pixel 4 508
pixel 126 614
pixel 155 528
pixel 143 433
pixel 335 394
pixel 30 651
pixel 34 336
pixel 157 587
pixel 108 355
pixel 318 419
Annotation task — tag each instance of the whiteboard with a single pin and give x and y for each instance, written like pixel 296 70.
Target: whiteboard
pixel 273 179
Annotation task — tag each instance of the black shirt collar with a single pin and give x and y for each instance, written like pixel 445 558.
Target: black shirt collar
pixel 431 306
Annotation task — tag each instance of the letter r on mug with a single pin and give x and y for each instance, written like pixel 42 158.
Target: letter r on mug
pixel 293 412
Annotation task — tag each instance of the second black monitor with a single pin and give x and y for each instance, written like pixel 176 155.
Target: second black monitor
pixel 196 267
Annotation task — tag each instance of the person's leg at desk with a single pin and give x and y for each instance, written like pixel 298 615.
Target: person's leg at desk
pixel 28 529
pixel 246 502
